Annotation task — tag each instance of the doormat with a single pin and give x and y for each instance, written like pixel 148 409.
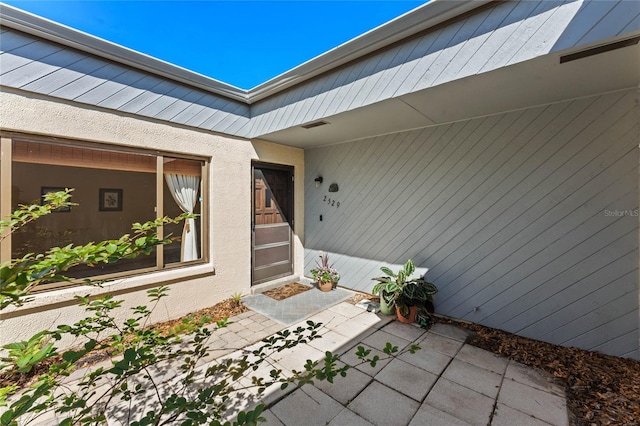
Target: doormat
pixel 286 291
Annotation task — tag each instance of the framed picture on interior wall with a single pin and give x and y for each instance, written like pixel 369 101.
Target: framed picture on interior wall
pixel 44 190
pixel 110 200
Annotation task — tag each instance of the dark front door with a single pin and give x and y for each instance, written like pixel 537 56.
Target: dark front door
pixel 272 222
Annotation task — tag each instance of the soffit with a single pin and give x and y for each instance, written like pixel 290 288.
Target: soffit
pixel 539 81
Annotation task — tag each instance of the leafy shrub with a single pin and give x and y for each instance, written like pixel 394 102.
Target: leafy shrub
pixel 152 376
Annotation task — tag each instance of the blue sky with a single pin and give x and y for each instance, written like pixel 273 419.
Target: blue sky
pixel 243 43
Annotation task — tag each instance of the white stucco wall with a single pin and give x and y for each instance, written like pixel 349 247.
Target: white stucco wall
pixel 229 193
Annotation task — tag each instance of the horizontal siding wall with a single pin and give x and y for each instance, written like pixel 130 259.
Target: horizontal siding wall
pixel 526 220
pixel 506 34
pixel 38 66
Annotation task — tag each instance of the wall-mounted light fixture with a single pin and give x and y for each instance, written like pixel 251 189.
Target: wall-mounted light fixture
pixel 318 181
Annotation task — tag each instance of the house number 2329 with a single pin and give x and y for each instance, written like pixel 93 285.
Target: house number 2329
pixel 332 203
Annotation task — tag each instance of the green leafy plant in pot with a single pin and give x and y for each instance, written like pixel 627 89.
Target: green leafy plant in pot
pixel 325 274
pixel 416 293
pixel 390 286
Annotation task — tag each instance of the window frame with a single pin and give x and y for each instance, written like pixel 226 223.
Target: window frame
pixel 6 161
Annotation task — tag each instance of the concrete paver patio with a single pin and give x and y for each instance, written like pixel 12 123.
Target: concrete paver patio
pixel 447 382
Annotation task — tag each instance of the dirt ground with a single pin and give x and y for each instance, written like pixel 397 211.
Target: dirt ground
pixel 601 389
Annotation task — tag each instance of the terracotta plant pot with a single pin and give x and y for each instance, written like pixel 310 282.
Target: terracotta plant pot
pixel 325 285
pixel 411 318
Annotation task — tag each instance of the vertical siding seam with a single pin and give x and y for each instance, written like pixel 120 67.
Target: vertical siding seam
pixel 549 139
pixel 98 86
pixel 532 223
pixel 532 17
pixel 444 182
pixel 38 82
pixel 461 127
pixel 569 302
pixel 634 331
pixel 558 237
pixel 550 281
pixel 492 189
pixel 487 147
pixel 456 144
pixel 363 153
pixel 86 89
pixel 374 213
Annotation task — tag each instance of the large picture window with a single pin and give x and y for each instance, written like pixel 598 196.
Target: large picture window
pixel 113 189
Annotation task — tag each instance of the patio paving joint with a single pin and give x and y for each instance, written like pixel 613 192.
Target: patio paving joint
pixel 495 403
pixel 440 384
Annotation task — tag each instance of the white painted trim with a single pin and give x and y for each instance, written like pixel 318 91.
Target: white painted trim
pixel 123 284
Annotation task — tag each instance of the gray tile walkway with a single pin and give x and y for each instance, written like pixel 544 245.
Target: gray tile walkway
pixel 294 309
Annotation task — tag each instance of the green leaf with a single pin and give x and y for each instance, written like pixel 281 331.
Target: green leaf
pixel 6 418
pixel 387 271
pixel 42 353
pixel 66 422
pixel 90 345
pixel 23 360
pixel 130 354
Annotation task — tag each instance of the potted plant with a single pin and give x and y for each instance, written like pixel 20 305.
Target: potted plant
pixel 325 275
pixel 416 293
pixel 402 292
pixel 389 287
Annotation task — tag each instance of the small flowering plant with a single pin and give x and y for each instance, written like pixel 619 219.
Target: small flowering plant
pixel 324 272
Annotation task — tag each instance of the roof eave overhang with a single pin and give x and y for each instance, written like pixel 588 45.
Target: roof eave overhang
pixel 415 21
pixel 49 30
pixel 418 20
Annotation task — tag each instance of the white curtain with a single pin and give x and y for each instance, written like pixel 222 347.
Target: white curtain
pixel 184 190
